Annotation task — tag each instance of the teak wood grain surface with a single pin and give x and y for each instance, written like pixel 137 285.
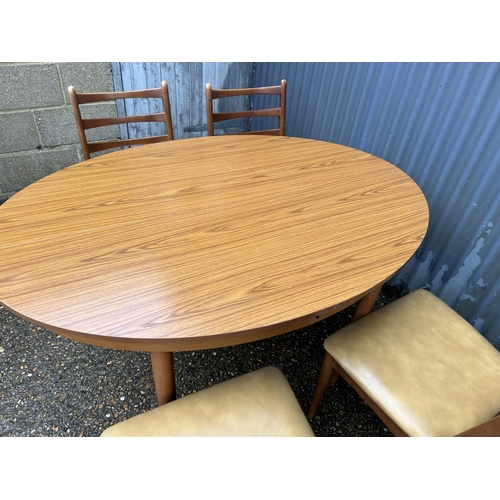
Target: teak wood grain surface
pixel 206 242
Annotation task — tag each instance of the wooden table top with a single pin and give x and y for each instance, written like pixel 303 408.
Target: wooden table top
pixel 207 242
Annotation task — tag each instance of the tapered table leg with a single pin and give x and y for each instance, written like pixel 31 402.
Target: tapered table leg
pixel 164 377
pixel 365 304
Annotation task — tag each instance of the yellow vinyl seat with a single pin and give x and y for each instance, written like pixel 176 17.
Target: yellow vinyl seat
pixel 258 404
pixel 422 368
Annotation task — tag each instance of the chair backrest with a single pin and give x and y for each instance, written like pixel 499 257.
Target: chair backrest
pixel 84 124
pixel 279 112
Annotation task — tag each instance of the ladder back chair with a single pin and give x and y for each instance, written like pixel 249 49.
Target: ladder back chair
pixel 278 112
pixel 84 124
pixel 421 367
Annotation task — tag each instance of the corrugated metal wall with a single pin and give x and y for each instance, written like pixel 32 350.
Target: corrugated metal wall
pixel 186 84
pixel 438 122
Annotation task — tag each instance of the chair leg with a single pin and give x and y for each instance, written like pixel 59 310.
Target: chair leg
pixel 325 376
pixel 327 373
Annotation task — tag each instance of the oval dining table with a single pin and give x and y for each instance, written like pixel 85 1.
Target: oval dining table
pixel 206 242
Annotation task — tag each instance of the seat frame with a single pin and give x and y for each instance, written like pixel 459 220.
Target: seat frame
pixel 84 124
pixel 280 112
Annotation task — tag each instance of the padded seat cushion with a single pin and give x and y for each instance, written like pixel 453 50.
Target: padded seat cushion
pixel 426 367
pixel 259 403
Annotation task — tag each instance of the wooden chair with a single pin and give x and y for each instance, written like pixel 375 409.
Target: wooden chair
pixel 82 125
pixel 259 404
pixel 422 368
pixel 279 112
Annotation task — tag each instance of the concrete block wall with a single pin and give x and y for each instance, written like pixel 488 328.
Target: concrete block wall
pixel 38 134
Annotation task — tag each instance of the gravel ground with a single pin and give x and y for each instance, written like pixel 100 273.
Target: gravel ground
pixel 54 386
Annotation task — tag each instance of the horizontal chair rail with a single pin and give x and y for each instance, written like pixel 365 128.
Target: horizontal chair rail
pixel 218 94
pixel 101 146
pixel 274 131
pixel 218 117
pixel 116 120
pixel 112 96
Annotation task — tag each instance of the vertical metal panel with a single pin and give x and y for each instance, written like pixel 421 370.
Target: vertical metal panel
pixel 438 122
pixel 186 82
